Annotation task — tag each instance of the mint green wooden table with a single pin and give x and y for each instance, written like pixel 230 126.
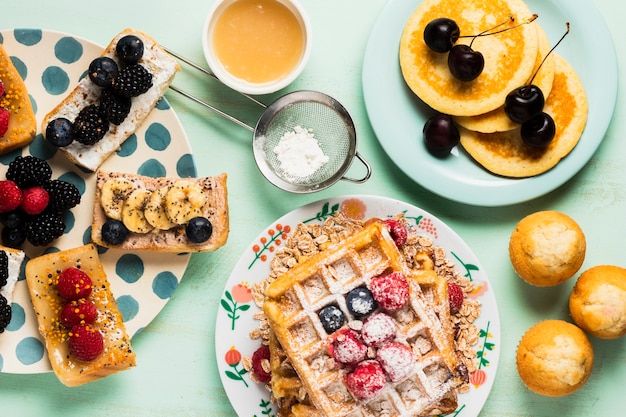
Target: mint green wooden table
pixel 177 372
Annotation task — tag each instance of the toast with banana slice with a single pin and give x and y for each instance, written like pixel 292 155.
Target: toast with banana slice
pixel 136 212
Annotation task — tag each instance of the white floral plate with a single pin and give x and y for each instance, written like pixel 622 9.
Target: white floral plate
pixel 235 315
pixel 51 63
pixel 398 116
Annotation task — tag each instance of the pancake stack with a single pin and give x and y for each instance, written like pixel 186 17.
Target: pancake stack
pixel 512 58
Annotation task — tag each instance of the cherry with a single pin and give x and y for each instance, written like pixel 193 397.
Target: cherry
pixel 539 131
pixel 441 33
pixel 523 103
pixel 440 135
pixel 464 63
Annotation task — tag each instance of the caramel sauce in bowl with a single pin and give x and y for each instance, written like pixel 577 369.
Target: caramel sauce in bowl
pixel 256 46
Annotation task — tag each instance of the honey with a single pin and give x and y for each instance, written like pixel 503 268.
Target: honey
pixel 258 41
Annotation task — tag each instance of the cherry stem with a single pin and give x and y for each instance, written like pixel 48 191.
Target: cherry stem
pixel 489 32
pixel 548 54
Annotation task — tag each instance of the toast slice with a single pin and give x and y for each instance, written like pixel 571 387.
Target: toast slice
pixel 41 276
pixel 163 68
pixel 10 264
pixel 169 238
pixel 22 123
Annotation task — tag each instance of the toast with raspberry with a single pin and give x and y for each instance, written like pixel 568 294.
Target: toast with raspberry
pixel 84 350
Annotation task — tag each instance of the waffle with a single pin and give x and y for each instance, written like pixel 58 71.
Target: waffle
pixel 291 307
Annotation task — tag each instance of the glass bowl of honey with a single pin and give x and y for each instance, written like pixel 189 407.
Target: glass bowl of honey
pixel 256 46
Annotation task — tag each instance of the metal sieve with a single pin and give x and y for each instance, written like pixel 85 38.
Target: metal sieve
pixel 324 116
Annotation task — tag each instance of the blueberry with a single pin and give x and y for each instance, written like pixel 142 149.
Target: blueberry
pixel 13 237
pixel 103 71
pixel 360 302
pixel 129 49
pixel 114 232
pixel 59 132
pixel 12 219
pixel 332 318
pixel 199 229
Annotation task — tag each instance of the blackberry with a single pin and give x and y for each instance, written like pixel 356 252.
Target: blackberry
pixel 5 313
pixel 90 125
pixel 4 268
pixel 129 49
pixel 133 81
pixel 28 171
pixel 103 71
pixel 63 195
pixel 115 107
pixel 41 230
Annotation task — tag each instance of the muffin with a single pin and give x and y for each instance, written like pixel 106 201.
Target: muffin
pixel 547 248
pixel 597 302
pixel 554 358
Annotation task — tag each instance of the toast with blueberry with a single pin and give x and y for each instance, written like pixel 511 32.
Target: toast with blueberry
pixel 136 212
pixel 108 105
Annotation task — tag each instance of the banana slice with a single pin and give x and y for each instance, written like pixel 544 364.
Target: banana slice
pixel 155 211
pixel 133 215
pixel 184 201
pixel 113 194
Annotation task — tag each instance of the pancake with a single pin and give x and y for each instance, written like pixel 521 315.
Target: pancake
pixel 509 56
pixel 497 120
pixel 504 153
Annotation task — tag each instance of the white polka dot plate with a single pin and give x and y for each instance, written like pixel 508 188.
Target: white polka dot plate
pixel 51 63
pixel 235 316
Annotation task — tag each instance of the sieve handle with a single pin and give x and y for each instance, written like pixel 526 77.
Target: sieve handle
pixel 367 175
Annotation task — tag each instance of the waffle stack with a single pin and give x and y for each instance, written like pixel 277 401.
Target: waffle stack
pixel 316 382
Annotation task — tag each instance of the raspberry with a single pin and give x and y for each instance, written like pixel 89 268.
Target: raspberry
pixel 346 347
pixel 397 360
pixel 74 284
pixel 90 125
pixel 86 342
pixel 455 294
pixel 378 329
pixel 366 380
pixel 78 312
pixel 4 121
pixel 397 230
pixel 258 357
pixel 391 291
pixel 10 196
pixel 35 200
pixel 28 171
pixel 133 81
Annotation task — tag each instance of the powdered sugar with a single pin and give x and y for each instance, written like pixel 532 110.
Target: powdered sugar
pixel 299 153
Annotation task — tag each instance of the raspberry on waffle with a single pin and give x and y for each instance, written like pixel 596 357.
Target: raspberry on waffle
pixel 292 305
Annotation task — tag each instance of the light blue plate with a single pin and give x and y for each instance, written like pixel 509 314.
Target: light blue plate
pixel 398 116
pixel 51 63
